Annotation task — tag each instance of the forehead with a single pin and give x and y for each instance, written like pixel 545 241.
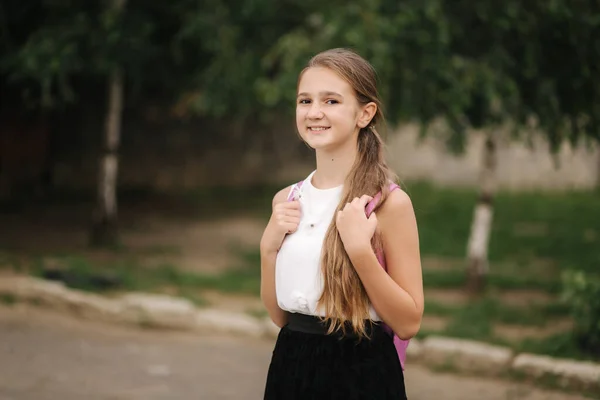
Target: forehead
pixel 319 79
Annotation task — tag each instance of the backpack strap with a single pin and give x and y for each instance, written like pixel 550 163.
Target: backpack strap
pixel 295 191
pixel 369 210
pixel 373 203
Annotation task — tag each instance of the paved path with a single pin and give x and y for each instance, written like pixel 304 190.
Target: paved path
pixel 45 356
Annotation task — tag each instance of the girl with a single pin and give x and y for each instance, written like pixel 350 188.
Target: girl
pixel 321 280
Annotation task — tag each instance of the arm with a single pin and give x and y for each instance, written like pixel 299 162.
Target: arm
pixel 397 295
pixel 269 246
pixel 267 289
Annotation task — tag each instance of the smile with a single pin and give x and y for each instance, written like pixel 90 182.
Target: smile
pixel 317 128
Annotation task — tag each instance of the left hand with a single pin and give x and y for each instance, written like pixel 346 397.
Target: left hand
pixel 356 230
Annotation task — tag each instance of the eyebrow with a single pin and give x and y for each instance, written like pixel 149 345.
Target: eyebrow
pixel 322 94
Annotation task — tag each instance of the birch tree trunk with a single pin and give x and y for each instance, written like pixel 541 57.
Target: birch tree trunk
pixel 477 249
pixel 598 168
pixel 105 228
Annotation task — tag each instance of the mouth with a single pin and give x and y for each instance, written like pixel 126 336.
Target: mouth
pixel 318 129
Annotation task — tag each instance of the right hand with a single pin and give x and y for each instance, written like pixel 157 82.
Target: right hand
pixel 284 221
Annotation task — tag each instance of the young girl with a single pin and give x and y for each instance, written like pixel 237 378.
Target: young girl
pixel 321 279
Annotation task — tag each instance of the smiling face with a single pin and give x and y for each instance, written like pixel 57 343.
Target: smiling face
pixel 327 112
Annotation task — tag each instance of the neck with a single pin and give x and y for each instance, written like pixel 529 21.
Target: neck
pixel 333 165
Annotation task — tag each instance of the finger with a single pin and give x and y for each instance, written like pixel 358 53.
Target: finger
pixel 364 199
pixel 288 205
pixel 288 220
pixel 291 213
pixel 291 228
pixel 291 220
pixel 295 204
pixel 282 211
pixel 284 221
pixel 373 217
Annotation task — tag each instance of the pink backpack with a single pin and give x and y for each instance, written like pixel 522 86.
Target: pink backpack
pixel 401 345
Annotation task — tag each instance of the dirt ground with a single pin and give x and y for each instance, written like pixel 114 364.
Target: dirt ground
pixel 155 236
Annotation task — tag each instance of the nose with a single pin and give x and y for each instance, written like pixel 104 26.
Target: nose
pixel 314 112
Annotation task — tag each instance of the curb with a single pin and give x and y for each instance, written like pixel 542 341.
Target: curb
pixel 168 312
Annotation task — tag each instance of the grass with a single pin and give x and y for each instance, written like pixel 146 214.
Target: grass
pixel 476 321
pixel 538 231
pixel 528 227
pixel 128 274
pixel 476 318
pixel 535 237
pixel 492 309
pixel 456 279
pixel 7 299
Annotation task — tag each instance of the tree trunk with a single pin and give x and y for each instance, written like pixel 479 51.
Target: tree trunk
pixel 598 167
pixel 105 229
pixel 481 226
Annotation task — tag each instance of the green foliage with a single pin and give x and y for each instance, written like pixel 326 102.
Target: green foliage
pixel 582 293
pixel 51 48
pixel 475 65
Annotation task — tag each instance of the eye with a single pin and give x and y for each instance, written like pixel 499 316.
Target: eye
pixel 332 101
pixel 304 101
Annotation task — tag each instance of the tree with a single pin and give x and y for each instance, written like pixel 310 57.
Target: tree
pixel 52 51
pixel 473 65
pixel 543 52
pixel 480 66
pixel 531 65
pixel 104 230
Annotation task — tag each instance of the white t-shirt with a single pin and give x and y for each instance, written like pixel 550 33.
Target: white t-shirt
pixel 298 276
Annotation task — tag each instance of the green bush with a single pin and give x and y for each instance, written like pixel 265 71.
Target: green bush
pixel 582 294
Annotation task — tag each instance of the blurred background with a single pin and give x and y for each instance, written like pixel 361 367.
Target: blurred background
pixel 141 143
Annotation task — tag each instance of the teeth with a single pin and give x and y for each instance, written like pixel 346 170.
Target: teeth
pixel 320 128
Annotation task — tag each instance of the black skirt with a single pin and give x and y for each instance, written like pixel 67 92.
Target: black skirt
pixel 309 364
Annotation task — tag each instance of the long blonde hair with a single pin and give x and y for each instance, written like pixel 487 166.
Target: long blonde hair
pixel 344 298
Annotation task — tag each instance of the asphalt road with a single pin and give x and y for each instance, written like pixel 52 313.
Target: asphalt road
pixel 47 356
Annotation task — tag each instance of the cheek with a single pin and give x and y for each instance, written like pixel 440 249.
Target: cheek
pixel 346 114
pixel 299 117
pixel 300 123
pixel 346 119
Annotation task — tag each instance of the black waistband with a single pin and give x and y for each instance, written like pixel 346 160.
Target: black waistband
pixel 311 324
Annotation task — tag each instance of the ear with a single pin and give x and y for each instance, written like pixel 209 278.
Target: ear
pixel 366 114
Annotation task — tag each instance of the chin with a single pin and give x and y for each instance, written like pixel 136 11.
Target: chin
pixel 316 145
pixel 313 142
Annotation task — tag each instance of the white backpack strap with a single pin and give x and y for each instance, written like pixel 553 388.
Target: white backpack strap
pixel 295 191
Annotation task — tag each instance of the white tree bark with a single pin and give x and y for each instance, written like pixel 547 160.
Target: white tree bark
pixel 477 248
pixel 480 235
pixel 105 226
pixel 598 169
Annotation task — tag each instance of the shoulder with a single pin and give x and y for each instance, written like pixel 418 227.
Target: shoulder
pixel 281 195
pixel 397 205
pixel 398 199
